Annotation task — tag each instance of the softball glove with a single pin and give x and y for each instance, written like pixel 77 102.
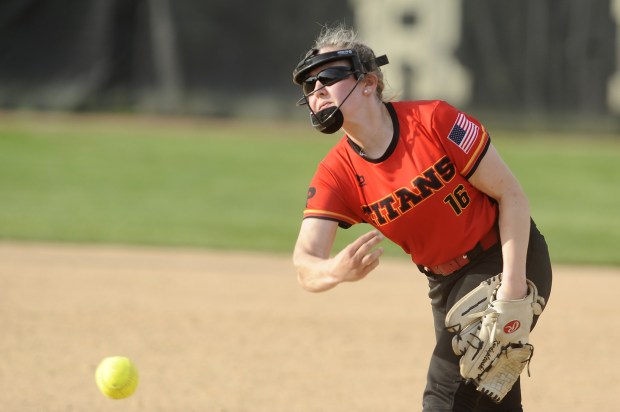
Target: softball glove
pixel 492 336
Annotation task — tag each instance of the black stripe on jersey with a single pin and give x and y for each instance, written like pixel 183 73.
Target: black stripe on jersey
pixel 341 223
pixel 475 166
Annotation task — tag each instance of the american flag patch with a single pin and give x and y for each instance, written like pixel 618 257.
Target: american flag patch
pixel 463 133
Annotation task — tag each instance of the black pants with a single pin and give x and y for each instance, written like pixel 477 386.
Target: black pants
pixel 445 389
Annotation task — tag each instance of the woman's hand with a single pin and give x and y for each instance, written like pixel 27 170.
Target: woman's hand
pixel 357 259
pixel 317 271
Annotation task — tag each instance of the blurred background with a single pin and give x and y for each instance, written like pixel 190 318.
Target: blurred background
pixel 539 58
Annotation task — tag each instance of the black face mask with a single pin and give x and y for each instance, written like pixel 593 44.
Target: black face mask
pixel 328 120
pixel 331 119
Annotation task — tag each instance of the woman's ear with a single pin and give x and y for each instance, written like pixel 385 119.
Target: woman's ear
pixel 370 81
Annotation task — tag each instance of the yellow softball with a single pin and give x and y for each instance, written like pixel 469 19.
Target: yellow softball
pixel 116 377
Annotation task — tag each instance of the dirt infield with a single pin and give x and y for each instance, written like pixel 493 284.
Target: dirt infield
pixel 232 332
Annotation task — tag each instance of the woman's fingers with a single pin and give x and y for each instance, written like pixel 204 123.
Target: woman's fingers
pixel 363 244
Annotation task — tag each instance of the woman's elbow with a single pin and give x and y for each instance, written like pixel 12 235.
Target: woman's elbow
pixel 301 272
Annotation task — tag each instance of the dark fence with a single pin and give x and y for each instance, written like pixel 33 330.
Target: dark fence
pixel 224 58
pixel 540 55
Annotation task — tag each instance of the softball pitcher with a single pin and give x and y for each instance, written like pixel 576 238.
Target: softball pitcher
pixel 426 176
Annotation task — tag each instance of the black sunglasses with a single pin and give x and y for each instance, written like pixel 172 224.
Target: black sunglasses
pixel 327 77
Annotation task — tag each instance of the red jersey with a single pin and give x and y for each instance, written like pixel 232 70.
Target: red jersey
pixel 417 194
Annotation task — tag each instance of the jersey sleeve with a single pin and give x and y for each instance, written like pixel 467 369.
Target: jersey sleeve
pixel 464 138
pixel 327 199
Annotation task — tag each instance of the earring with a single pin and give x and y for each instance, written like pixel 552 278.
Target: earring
pixel 365 91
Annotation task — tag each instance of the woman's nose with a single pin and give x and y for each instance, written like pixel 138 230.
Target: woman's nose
pixel 319 87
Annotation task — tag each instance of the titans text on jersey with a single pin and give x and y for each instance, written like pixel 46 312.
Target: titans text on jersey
pixel 404 199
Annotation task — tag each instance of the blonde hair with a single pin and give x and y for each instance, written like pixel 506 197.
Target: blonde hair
pixel 342 37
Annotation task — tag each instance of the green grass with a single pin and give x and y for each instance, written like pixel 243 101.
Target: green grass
pixel 143 182
pixel 573 184
pixel 224 185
